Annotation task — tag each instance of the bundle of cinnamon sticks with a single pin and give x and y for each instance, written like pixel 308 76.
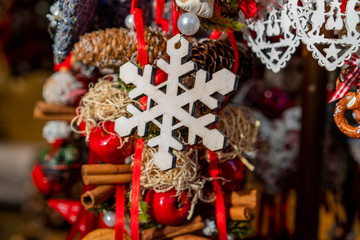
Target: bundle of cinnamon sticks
pixel 240 204
pixel 175 232
pixel 48 112
pixel 105 176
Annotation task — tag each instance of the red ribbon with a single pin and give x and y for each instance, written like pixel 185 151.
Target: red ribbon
pixel 120 212
pixel 174 18
pixel 140 36
pixel 159 11
pixel 215 34
pixel 248 7
pixel 231 37
pixel 135 190
pixel 134 4
pixel 219 204
pixel 66 64
pixel 349 80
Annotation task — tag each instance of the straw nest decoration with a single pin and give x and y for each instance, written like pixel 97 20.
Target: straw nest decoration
pixel 105 101
pixel 184 177
pixel 241 128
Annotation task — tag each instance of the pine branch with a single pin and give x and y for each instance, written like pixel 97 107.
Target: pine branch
pixel 221 23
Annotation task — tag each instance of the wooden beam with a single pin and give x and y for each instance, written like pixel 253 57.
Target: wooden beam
pixel 311 147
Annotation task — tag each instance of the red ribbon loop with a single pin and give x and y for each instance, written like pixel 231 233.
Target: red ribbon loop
pixel 159 11
pixel 349 80
pixel 174 18
pixel 140 36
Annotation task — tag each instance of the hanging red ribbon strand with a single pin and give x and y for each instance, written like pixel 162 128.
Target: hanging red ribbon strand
pixel 140 36
pixel 135 190
pixel 231 37
pixel 175 14
pixel 159 12
pixel 135 187
pixel 219 204
pixel 120 212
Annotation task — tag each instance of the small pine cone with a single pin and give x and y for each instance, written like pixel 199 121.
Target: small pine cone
pixel 214 55
pixel 110 48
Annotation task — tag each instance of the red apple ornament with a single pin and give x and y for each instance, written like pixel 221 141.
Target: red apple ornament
pixel 233 170
pixel 166 208
pixel 43 184
pixel 104 142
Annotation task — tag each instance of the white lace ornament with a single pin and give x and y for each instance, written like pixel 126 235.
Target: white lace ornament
pixel 171 105
pixel 276 25
pixel 309 19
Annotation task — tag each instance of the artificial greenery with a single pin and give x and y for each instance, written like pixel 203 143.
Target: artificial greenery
pixel 240 229
pixel 221 23
pixel 109 205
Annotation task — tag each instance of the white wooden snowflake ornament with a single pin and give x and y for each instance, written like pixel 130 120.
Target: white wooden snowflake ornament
pixel 274 54
pixel 309 18
pixel 174 108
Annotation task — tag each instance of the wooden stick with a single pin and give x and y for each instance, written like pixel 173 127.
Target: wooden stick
pixel 53 108
pixel 173 231
pixel 38 114
pixel 242 198
pixel 98 195
pixel 103 169
pixel 107 179
pixel 189 237
pixel 239 213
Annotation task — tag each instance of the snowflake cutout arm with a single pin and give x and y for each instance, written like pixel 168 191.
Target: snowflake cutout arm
pixel 169 105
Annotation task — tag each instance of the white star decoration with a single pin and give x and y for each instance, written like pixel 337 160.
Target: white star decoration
pixel 331 51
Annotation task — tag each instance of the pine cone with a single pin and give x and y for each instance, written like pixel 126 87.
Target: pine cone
pixel 214 55
pixel 110 48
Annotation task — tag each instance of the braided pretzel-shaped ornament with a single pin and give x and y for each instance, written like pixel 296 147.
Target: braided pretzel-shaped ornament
pixel 351 101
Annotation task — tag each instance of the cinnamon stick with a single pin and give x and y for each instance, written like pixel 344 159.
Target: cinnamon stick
pixel 53 108
pixel 38 114
pixel 98 195
pixel 107 179
pixel 173 231
pixel 239 213
pixel 242 198
pixel 103 169
pixel 189 237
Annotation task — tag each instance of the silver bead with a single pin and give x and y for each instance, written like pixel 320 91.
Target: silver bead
pixel 109 219
pixel 129 21
pixel 188 23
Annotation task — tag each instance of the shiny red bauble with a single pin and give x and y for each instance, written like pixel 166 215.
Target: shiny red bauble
pixel 233 170
pixel 104 142
pixel 166 208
